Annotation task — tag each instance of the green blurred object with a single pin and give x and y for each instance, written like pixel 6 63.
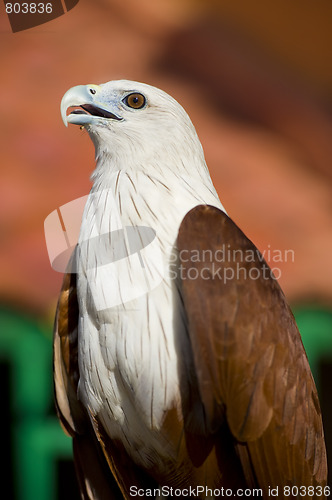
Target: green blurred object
pixel 38 442
pixel 315 325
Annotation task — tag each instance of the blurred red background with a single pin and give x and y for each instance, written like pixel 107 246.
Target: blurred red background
pixel 257 83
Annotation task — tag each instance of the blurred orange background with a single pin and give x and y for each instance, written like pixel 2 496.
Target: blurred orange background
pixel 256 80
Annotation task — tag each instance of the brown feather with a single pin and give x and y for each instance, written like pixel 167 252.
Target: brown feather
pixel 94 478
pixel 65 366
pixel 249 355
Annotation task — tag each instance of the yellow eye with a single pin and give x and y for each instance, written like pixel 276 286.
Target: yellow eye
pixel 135 100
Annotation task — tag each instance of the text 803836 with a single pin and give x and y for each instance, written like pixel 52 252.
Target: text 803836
pixel 29 8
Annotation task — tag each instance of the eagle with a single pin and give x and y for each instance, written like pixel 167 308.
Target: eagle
pixel 178 366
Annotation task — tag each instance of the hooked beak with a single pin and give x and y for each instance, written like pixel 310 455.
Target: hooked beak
pixel 89 106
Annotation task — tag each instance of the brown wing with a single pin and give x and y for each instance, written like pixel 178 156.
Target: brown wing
pixel 249 355
pixel 65 365
pixel 103 468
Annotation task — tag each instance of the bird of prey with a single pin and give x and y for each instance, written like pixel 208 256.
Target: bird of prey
pixel 178 366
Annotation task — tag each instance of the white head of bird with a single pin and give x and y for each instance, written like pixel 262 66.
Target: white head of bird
pixel 136 126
